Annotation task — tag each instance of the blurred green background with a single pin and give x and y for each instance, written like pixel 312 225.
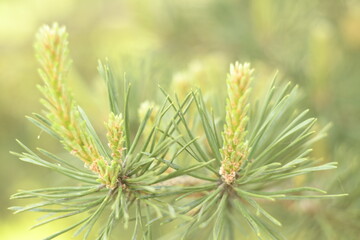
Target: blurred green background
pixel 315 43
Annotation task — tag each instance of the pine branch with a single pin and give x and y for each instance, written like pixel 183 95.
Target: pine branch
pixel 174 165
pixel 119 181
pixel 275 147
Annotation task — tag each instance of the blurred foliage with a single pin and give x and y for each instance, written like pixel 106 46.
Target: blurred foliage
pixel 179 44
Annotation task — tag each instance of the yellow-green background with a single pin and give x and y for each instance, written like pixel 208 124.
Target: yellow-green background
pixel 315 43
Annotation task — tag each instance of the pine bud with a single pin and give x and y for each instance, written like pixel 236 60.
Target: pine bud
pixel 235 148
pixel 115 136
pixel 53 55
